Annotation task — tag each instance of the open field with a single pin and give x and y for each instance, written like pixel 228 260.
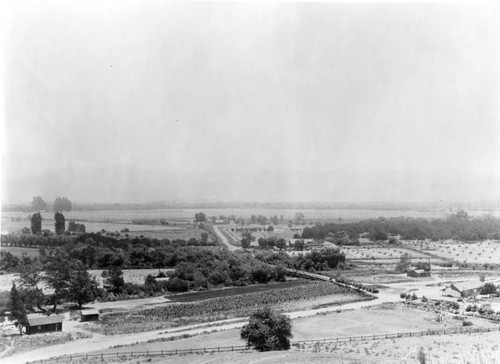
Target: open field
pixel 484 252
pixel 20 251
pixel 379 252
pixel 380 319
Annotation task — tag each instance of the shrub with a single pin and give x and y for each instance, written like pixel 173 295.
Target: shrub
pixel 466 323
pixel 267 330
pixel 177 285
pixel 488 288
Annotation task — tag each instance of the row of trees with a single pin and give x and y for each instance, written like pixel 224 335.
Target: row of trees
pixel 458 226
pixel 317 260
pixel 60 204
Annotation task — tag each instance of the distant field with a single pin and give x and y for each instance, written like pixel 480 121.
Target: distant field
pixel 484 252
pixel 11 224
pixel 19 252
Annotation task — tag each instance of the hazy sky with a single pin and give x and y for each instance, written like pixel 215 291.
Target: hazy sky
pixel 296 101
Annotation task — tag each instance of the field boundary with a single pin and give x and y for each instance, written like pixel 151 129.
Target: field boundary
pixel 244 348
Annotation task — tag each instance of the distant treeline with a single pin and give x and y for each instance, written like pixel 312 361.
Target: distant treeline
pixel 458 226
pixel 156 205
pixel 99 251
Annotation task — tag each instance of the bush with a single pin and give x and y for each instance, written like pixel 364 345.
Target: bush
pixel 177 285
pixel 466 323
pixel 488 288
pixel 403 295
pixel 267 330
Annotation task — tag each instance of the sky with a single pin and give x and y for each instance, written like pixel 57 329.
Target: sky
pixel 251 101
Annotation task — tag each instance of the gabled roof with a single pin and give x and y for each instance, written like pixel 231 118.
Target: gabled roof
pixel 89 312
pixel 44 320
pixel 463 286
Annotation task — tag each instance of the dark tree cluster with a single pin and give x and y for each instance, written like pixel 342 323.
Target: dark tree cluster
pixel 76 227
pixel 458 226
pixel 319 260
pixel 204 269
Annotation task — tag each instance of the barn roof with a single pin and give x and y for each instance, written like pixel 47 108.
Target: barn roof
pixel 44 320
pixel 463 286
pixel 89 312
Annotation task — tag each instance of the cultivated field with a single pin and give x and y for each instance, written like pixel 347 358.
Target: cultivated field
pixel 283 296
pixel 484 252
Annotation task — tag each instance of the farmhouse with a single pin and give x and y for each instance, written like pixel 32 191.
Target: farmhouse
pixel 41 324
pixel 89 315
pixel 418 273
pixel 451 291
pixel 464 289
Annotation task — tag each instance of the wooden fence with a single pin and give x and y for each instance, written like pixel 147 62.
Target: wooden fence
pixel 300 344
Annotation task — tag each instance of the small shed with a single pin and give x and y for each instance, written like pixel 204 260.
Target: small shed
pixel 89 315
pixel 42 324
pixel 418 273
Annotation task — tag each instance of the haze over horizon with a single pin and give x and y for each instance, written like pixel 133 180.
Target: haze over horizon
pixel 139 101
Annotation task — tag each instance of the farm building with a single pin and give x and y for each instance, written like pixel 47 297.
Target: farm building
pixel 41 324
pixel 418 273
pixel 451 291
pixel 89 315
pixel 464 289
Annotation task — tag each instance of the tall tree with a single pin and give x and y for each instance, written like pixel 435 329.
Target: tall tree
pixel 36 223
pixel 82 287
pixel 38 203
pixel 30 279
pixel 58 274
pixel 17 309
pixel 60 223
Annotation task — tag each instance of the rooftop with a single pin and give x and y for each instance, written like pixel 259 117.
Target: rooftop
pixel 44 320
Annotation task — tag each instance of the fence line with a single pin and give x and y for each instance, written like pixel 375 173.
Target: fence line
pixel 243 348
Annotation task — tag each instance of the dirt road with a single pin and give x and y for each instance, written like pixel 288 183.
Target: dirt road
pixel 224 239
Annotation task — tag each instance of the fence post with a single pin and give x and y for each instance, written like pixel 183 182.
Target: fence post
pixel 232 348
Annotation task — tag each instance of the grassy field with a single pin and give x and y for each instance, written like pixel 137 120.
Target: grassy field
pixel 19 251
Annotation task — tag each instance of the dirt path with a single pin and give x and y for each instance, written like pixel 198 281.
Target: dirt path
pixel 224 239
